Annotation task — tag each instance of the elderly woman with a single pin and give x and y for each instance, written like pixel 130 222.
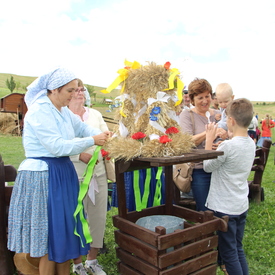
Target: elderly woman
pixel 44 198
pixel 193 121
pixel 95 202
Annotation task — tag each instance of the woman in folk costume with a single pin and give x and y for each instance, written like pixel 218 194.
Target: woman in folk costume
pixel 44 198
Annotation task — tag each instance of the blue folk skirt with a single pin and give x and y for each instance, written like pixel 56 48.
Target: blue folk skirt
pixel 41 213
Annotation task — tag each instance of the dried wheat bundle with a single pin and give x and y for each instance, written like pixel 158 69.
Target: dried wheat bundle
pixel 121 148
pixel 147 119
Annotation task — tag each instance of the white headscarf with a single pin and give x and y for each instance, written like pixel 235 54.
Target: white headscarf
pixel 50 81
pixel 87 97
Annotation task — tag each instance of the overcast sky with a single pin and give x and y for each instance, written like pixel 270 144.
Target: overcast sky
pixel 221 41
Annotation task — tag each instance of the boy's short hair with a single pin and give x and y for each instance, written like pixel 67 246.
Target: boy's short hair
pixel 241 110
pixel 198 86
pixel 224 87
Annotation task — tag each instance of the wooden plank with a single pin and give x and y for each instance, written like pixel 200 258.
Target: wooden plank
pixel 188 251
pixel 188 214
pixel 137 231
pixel 185 235
pixel 209 270
pixel 196 155
pixel 193 265
pixel 155 210
pixel 8 192
pixel 136 262
pixel 10 173
pixel 198 217
pixel 137 247
pixel 169 195
pixel 127 270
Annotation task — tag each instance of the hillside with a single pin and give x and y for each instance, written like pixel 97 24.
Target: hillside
pixel 24 81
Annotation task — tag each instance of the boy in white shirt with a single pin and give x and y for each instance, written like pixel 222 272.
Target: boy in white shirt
pixel 229 188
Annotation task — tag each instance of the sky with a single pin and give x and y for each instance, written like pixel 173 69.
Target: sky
pixel 221 41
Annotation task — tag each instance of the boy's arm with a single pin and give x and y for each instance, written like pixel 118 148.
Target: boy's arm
pixel 211 165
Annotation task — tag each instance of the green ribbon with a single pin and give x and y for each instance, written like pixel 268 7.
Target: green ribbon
pixel 141 203
pixel 83 189
pixel 157 197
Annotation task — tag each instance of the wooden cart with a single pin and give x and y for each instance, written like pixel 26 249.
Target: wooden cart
pixel 142 251
pixel 14 103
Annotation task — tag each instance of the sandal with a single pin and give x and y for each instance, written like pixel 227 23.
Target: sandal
pixel 223 269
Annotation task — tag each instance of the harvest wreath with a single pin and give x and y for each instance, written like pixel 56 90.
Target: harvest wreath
pixel 148 124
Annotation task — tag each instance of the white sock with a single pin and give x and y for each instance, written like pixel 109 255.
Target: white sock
pixel 90 262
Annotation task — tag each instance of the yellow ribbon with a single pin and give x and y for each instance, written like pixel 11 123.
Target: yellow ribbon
pixel 121 109
pixel 171 80
pixel 174 75
pixel 123 74
pixel 180 86
pixel 133 65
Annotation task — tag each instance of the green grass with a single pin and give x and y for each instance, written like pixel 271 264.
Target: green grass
pixel 259 236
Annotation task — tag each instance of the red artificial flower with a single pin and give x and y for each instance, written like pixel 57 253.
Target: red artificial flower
pixel 172 130
pixel 164 139
pixel 104 153
pixel 167 65
pixel 138 135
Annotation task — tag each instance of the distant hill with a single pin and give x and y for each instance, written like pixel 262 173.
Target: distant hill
pixel 24 81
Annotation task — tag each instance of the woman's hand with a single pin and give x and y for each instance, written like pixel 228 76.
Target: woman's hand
pixel 85 157
pixel 109 134
pixel 101 138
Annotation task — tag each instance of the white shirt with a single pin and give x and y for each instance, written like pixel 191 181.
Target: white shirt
pixel 229 188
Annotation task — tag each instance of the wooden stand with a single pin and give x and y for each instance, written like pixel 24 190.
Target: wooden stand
pixel 142 251
pixel 7 174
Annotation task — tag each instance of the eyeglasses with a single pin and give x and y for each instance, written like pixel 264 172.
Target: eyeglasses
pixel 80 90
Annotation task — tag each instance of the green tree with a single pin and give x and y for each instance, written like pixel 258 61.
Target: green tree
pixel 11 84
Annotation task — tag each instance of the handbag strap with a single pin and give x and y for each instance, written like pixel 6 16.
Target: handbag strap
pixel 192 120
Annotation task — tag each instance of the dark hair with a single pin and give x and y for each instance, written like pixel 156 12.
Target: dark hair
pixel 185 92
pixel 198 86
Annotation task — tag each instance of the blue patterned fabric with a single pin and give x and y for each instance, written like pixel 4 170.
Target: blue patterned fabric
pixel 50 81
pixel 28 215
